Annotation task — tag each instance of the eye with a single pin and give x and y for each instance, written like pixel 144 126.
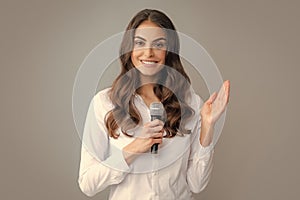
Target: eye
pixel 139 43
pixel 159 45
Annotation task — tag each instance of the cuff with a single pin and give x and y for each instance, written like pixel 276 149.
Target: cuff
pixel 117 161
pixel 204 152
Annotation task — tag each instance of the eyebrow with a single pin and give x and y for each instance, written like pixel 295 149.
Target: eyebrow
pixel 139 37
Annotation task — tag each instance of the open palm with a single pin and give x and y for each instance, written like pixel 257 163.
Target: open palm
pixel 216 104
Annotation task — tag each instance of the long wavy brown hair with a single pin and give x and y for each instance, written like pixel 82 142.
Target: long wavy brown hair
pixel 171 89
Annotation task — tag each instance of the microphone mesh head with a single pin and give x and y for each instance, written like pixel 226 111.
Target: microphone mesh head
pixel 157 108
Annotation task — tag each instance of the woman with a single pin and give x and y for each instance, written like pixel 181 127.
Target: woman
pixel 119 133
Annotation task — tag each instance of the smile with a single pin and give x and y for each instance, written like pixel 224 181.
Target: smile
pixel 148 62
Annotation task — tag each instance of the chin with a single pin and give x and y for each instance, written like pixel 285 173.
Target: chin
pixel 150 72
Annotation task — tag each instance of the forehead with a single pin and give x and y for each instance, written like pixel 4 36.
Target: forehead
pixel 149 30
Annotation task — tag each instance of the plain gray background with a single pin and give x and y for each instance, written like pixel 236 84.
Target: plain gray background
pixel 254 43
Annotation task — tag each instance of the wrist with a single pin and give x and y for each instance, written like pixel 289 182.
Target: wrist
pixel 206 134
pixel 128 156
pixel 207 121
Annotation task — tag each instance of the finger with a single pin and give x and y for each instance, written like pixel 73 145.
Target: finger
pixel 156 141
pixel 222 90
pixel 155 123
pixel 212 98
pixel 227 83
pixel 227 86
pixel 223 93
pixel 228 90
pixel 223 96
pixel 156 135
pixel 155 129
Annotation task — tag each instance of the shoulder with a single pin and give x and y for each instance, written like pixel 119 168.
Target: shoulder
pixel 102 100
pixel 194 100
pixel 103 94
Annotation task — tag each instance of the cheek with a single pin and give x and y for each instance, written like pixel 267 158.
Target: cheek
pixel 162 55
pixel 135 55
pixel 135 58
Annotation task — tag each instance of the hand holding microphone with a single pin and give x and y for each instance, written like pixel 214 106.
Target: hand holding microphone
pixel 151 135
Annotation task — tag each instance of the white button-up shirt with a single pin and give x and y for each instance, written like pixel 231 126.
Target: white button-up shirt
pixel 182 165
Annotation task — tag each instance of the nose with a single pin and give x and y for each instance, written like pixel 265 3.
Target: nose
pixel 148 51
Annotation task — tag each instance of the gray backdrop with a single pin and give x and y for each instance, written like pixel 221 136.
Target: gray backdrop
pixel 254 43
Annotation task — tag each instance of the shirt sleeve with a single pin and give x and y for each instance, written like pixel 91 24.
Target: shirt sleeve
pixel 200 161
pixel 101 164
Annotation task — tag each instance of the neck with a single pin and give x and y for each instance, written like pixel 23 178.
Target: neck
pixel 148 80
pixel 147 93
pixel 146 90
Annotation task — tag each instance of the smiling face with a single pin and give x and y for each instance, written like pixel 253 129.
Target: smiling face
pixel 149 50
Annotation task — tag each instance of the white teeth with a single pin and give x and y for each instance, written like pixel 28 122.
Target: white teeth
pixel 148 62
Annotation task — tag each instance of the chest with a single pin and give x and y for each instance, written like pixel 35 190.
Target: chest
pixel 172 150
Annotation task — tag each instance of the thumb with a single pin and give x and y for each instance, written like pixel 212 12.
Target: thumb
pixel 212 98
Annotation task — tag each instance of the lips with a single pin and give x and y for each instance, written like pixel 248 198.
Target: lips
pixel 149 62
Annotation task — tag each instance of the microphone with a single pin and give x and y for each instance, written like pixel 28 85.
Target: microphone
pixel 156 112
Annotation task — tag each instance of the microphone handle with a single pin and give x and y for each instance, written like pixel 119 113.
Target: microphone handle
pixel 154 148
